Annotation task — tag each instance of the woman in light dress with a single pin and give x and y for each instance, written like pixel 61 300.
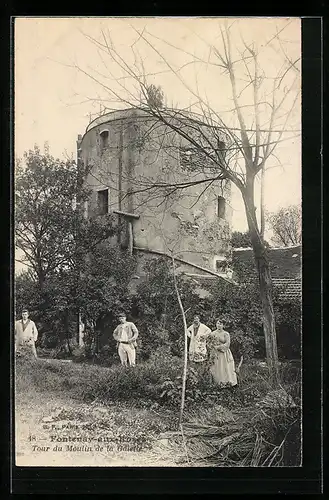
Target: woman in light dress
pixel 222 367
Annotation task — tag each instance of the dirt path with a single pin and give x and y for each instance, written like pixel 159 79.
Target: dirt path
pixel 53 431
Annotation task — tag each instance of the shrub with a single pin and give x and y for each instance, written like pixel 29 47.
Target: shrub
pixel 154 338
pixel 132 383
pixel 244 345
pixel 170 391
pixel 288 323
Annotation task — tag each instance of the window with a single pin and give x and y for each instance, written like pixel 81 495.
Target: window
pixel 103 202
pixel 221 205
pixel 104 140
pixel 220 265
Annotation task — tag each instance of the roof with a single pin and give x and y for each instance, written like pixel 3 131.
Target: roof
pixel 285 266
pixel 205 271
pixel 284 262
pixel 136 112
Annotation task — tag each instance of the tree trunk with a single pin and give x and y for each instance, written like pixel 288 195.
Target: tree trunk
pixel 67 332
pixel 185 345
pixel 262 202
pixel 265 287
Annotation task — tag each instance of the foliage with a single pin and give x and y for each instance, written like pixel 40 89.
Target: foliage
pixel 156 309
pixel 286 225
pixel 170 391
pixel 241 239
pixel 100 285
pixel 240 310
pixel 105 278
pixel 154 96
pixel 45 217
pixel 242 317
pixel 72 265
pixel 289 325
pixel 27 295
pixel 91 382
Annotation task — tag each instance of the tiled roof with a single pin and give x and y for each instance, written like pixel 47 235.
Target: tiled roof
pixel 285 266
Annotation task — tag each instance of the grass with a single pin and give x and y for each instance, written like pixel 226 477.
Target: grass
pixel 250 425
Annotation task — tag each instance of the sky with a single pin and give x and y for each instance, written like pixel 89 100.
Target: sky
pixel 54 99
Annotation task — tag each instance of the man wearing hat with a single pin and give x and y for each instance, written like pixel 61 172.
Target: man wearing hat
pixel 26 335
pixel 126 334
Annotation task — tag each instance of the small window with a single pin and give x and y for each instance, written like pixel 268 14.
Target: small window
pixel 221 206
pixel 104 140
pixel 221 265
pixel 103 202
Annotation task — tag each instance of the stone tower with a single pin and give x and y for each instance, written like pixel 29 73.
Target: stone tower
pixel 150 177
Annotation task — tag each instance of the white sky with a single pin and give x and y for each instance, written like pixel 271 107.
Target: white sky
pixel 49 94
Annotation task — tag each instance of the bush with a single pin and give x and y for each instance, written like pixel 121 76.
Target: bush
pixel 132 383
pixel 240 310
pixel 170 391
pixel 244 345
pixel 288 323
pixel 154 338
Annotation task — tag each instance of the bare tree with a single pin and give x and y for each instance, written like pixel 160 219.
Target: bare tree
pixel 237 152
pixel 286 225
pixel 185 344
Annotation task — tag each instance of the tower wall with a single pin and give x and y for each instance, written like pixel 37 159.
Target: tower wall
pixel 127 153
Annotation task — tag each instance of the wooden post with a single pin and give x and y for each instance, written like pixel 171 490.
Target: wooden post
pixel 81 328
pixel 130 237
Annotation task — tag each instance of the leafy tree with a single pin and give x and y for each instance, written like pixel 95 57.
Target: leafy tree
pixel 27 294
pixel 46 217
pixel 242 240
pixel 157 309
pixel 286 225
pixel 100 287
pixel 72 266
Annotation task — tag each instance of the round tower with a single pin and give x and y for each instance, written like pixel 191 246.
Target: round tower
pixel 146 173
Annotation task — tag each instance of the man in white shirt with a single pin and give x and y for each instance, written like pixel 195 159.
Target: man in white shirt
pixel 26 334
pixel 126 334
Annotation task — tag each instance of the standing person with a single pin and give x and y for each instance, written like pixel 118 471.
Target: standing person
pixel 222 367
pixel 26 335
pixel 198 334
pixel 126 334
